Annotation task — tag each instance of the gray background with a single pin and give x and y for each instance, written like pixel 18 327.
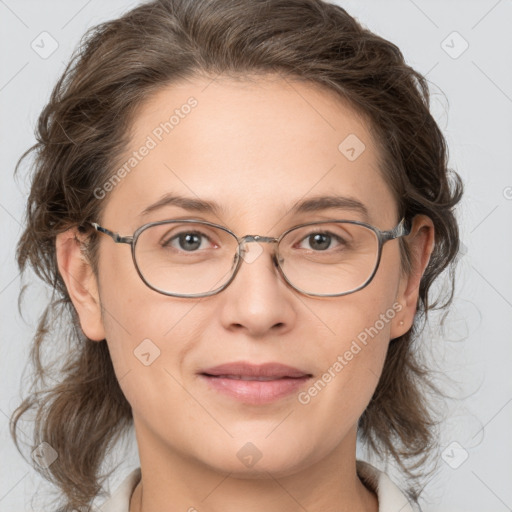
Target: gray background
pixel 472 102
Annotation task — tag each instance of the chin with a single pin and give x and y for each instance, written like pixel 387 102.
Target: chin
pixel 252 463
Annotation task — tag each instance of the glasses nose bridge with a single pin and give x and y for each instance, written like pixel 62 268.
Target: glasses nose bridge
pixel 257 238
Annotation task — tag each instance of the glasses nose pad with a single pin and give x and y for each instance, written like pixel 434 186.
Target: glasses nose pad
pixel 240 251
pixel 235 260
pixel 277 259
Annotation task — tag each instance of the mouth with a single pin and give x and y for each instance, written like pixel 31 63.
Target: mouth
pixel 248 377
pixel 249 371
pixel 255 384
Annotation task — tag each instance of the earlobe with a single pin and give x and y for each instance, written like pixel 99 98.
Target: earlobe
pixel 80 282
pixel 421 243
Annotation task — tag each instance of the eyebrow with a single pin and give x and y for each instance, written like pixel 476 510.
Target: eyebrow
pixel 314 204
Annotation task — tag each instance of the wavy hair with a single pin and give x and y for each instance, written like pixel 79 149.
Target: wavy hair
pixel 84 128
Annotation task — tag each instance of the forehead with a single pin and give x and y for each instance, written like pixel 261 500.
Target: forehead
pixel 255 147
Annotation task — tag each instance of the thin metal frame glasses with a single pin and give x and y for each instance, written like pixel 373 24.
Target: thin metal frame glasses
pixel 403 228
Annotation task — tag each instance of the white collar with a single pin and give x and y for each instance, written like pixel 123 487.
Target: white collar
pixel 391 498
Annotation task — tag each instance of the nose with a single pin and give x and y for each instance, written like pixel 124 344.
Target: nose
pixel 256 297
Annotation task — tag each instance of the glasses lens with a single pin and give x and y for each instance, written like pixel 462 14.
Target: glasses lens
pixel 185 258
pixel 329 258
pixel 189 258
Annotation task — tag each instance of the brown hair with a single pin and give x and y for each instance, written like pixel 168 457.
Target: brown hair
pixel 85 127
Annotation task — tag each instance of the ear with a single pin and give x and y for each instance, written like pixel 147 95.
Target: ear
pixel 421 242
pixel 80 282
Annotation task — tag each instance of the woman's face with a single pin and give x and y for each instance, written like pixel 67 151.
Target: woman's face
pixel 256 149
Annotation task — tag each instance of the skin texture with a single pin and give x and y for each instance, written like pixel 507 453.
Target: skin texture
pixel 257 148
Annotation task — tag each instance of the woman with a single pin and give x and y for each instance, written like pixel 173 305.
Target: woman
pixel 241 208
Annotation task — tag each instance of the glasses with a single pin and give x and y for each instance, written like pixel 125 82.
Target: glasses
pixel 195 258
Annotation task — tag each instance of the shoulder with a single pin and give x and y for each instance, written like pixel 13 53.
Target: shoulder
pixel 119 501
pixel 390 497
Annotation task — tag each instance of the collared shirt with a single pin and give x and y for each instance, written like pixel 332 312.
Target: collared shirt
pixel 389 496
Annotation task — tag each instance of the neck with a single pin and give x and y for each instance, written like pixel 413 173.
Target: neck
pixel 173 481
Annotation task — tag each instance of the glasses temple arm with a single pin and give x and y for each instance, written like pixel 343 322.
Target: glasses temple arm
pixel 403 228
pixel 118 239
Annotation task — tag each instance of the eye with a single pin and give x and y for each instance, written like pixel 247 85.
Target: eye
pixel 188 241
pixel 323 240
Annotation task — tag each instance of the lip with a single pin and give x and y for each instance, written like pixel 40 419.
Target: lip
pixel 238 380
pixel 242 368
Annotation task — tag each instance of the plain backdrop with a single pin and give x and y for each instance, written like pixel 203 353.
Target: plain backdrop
pixel 464 48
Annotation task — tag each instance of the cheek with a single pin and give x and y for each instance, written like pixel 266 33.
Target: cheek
pixel 354 351
pixel 148 341
pixel 131 311
pixel 353 356
pixel 147 333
